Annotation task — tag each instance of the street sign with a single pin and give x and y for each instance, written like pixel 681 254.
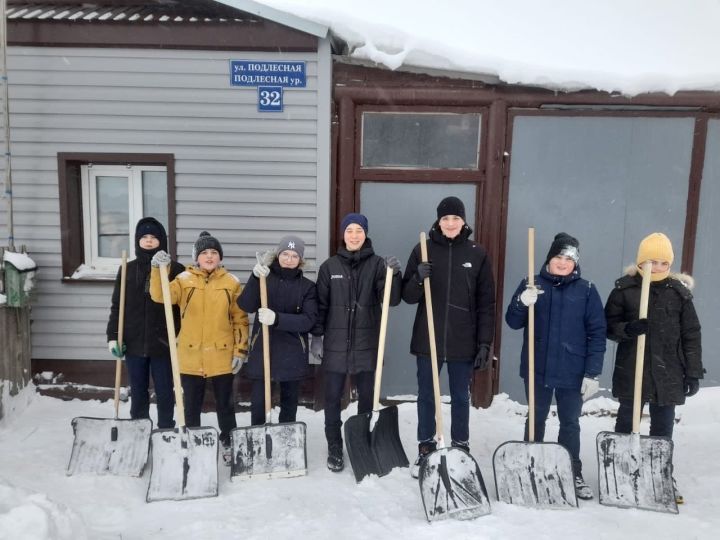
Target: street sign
pixel 251 73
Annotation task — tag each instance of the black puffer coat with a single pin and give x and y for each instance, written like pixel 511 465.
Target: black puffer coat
pixel 463 296
pixel 293 299
pixel 672 345
pixel 350 290
pixel 145 331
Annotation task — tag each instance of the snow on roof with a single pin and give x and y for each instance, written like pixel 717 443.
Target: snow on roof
pixel 19 260
pixel 630 47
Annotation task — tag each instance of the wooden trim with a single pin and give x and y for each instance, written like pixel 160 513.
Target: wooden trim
pixel 345 195
pixel 697 164
pixel 230 35
pixel 71 222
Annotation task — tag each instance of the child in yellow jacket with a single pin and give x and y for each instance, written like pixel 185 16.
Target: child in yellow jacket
pixel 213 338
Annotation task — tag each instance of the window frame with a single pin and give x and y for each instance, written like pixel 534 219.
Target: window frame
pixel 72 205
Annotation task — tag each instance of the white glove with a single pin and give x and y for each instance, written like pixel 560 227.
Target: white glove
pixel 316 350
pixel 260 270
pixel 237 363
pixel 589 387
pixel 266 316
pixel 529 296
pixel 160 259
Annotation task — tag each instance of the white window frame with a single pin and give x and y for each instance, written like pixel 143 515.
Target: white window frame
pixel 95 264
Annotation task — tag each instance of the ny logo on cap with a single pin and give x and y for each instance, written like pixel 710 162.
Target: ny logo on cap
pixel 291 245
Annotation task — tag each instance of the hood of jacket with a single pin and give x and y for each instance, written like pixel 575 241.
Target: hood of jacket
pixel 146 254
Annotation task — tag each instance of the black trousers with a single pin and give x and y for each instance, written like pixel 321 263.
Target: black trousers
pixel 289 391
pixel 194 394
pixel 334 385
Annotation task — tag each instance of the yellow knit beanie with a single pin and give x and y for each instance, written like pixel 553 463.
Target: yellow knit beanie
pixel 655 247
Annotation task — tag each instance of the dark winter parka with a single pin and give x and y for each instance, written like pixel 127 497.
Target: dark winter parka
pixel 145 331
pixel 672 344
pixel 463 296
pixel 350 291
pixel 293 299
pixel 569 329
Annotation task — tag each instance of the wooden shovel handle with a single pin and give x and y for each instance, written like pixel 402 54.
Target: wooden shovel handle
pixel 266 350
pixel 170 323
pixel 433 347
pixel 383 333
pixel 640 353
pixel 121 328
pixel 531 338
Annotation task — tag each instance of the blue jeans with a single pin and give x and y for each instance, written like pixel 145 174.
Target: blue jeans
pixel 662 418
pixel 460 373
pixel 139 370
pixel 569 406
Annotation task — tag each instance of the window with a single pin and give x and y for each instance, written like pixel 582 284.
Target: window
pixel 417 140
pixel 115 197
pixel 102 197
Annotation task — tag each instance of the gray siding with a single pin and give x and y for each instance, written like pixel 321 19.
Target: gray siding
pixel 247 177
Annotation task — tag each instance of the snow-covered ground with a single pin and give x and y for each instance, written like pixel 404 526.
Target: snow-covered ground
pixel 38 501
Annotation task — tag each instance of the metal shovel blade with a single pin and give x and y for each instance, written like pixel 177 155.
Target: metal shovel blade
pixel 534 474
pixel 269 451
pixel 109 446
pixel 452 487
pixel 184 464
pixel 635 471
pixel 377 449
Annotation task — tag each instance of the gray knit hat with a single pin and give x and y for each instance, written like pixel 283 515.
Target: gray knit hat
pixel 291 243
pixel 206 241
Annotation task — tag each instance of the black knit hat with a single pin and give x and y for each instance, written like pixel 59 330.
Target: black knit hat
pixel 205 241
pixel 451 206
pixel 565 245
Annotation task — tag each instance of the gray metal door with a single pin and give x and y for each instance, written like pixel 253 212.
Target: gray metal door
pixel 397 213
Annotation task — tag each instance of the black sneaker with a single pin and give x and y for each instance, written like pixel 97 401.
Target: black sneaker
pixel 226 454
pixel 582 490
pixel 461 446
pixel 423 450
pixel 335 457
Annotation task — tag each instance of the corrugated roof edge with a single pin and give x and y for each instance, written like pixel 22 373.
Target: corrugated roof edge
pixel 280 17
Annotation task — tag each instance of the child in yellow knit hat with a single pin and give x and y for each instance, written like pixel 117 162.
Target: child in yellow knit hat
pixel 673 354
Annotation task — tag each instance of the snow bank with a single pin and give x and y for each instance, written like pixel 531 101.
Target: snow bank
pixel 33 516
pixel 13 406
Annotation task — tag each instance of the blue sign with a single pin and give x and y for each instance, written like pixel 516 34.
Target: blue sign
pixel 262 73
pixel 270 98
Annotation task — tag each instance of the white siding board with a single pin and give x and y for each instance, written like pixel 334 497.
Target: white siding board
pixel 248 177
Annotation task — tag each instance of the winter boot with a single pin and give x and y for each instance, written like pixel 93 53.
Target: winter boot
pixel 335 456
pixel 226 452
pixel 461 446
pixel 424 448
pixel 582 490
pixel 679 499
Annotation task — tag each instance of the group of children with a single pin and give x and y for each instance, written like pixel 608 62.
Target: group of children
pixel 336 321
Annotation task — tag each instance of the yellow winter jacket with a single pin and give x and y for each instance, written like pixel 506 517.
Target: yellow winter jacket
pixel 214 328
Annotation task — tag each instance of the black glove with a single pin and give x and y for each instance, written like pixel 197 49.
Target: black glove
pixel 692 385
pixel 482 357
pixel 636 328
pixel 424 270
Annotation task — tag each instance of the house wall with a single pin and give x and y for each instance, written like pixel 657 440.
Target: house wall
pixel 245 176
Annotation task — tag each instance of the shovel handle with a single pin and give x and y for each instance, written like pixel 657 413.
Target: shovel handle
pixel 121 328
pixel 531 338
pixel 266 349
pixel 433 347
pixel 640 353
pixel 170 323
pixel 383 334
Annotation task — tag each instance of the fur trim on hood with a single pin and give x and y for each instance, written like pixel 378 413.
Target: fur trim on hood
pixel 685 279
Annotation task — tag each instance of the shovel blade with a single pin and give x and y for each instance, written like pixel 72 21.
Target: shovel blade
pixel 635 471
pixel 357 442
pixel 537 474
pixel 109 446
pixel 184 464
pixel 269 451
pixel 452 487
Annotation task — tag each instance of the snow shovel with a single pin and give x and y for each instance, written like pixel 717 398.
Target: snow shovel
pixel 373 439
pixel 184 459
pixel 534 474
pixel 111 446
pixel 270 450
pixel 635 471
pixel 451 485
